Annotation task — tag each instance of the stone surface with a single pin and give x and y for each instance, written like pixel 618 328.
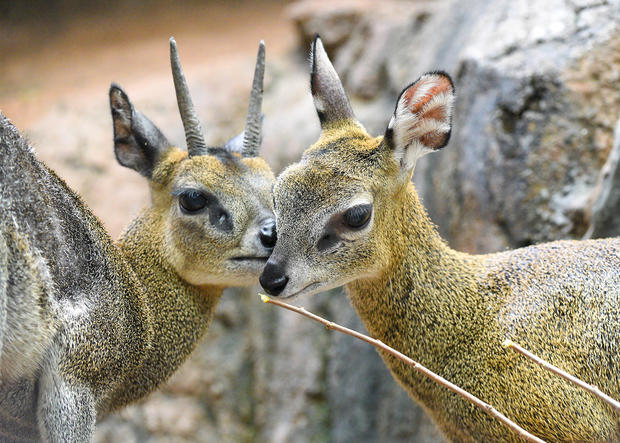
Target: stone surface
pixel 605 201
pixel 534 118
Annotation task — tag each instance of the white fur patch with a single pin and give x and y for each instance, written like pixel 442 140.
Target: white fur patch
pixel 76 309
pixel 426 83
pixel 318 103
pixel 409 127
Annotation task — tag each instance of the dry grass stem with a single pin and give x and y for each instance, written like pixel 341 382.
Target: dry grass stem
pixel 548 366
pixel 417 366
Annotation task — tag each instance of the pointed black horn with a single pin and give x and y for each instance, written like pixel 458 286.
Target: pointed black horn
pixel 193 132
pixel 253 123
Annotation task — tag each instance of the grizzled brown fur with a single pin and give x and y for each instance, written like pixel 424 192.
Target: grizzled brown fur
pixel 88 326
pixel 447 309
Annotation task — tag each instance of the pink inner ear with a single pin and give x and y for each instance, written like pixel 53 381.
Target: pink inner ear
pixel 121 128
pixel 438 113
pixel 414 104
pixel 433 139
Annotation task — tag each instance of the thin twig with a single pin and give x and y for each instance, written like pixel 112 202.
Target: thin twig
pixel 548 366
pixel 417 366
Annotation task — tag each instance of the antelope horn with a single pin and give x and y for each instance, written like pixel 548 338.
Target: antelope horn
pixel 253 136
pixel 193 132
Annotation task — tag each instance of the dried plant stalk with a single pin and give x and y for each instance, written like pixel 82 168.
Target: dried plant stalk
pixel 417 366
pixel 549 367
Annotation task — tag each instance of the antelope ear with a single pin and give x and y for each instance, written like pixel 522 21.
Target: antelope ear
pixel 422 120
pixel 238 144
pixel 138 143
pixel 330 100
pixel 235 144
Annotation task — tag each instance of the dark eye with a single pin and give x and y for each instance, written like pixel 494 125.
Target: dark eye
pixel 357 216
pixel 192 201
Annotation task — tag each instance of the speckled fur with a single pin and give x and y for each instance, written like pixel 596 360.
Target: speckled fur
pixel 450 310
pixel 88 326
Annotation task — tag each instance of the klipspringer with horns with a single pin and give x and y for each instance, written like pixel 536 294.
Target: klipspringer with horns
pixel 88 326
pixel 364 227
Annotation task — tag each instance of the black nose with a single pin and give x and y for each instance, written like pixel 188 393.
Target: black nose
pixel 268 234
pixel 273 279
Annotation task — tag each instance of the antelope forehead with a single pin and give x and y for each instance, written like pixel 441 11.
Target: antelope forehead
pixel 257 165
pixel 311 193
pixel 347 145
pixel 212 170
pixel 301 183
pixel 203 166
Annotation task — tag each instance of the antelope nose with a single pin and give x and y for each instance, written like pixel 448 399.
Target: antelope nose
pixel 273 279
pixel 267 234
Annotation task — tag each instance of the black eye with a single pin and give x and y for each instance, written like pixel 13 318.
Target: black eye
pixel 357 216
pixel 192 201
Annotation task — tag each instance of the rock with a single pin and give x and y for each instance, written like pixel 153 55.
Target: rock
pixel 333 21
pixel 366 404
pixel 533 122
pixel 177 416
pixel 360 35
pixel 605 221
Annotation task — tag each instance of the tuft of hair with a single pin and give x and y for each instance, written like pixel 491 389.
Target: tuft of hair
pixel 422 119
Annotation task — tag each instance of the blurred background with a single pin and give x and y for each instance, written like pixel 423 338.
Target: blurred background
pixel 532 158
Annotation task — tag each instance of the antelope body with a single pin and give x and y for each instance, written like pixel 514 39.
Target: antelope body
pixel 364 227
pixel 88 326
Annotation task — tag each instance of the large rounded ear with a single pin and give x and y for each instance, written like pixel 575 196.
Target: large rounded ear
pixel 330 100
pixel 422 120
pixel 138 143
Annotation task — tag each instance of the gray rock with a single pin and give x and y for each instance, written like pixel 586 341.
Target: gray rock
pixel 366 404
pixel 605 206
pixel 533 123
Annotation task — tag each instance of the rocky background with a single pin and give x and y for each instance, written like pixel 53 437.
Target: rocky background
pixel 532 158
